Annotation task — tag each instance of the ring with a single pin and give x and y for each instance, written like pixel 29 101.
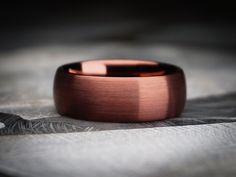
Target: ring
pixel 119 90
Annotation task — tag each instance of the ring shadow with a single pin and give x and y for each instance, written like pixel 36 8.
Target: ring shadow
pixel 207 110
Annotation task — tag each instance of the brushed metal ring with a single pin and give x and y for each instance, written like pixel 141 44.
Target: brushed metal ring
pixel 119 90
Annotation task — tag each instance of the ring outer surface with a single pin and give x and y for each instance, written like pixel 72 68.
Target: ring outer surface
pixel 119 99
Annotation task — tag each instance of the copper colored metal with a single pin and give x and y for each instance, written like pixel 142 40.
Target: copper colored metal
pixel 119 90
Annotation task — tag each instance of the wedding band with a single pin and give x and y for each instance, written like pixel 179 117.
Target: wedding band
pixel 119 90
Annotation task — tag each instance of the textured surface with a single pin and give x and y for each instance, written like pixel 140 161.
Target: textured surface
pixel 202 142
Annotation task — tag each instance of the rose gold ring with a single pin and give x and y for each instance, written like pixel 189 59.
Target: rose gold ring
pixel 119 90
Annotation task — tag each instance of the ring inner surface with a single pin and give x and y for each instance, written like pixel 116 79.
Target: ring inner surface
pixel 120 68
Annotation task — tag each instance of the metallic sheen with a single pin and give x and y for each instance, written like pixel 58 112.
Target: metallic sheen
pixel 119 90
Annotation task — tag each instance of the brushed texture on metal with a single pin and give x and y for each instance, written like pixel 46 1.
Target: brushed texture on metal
pixel 119 96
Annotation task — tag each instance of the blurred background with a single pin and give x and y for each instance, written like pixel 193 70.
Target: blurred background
pixel 39 23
